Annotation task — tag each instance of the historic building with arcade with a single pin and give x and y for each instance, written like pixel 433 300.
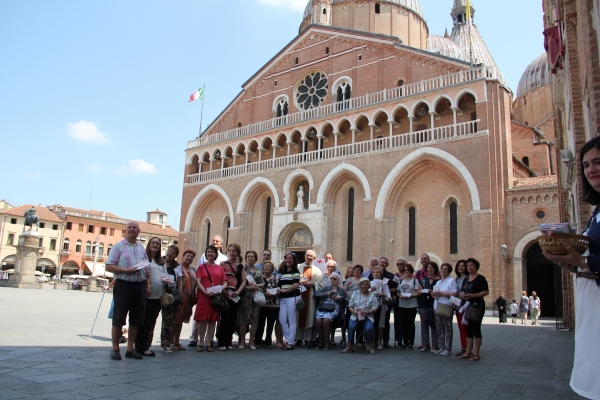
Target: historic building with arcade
pixel 368 135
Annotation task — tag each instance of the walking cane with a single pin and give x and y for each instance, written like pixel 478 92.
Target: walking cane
pixel 100 305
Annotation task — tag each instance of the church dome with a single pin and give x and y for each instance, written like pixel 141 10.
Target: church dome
pixel 445 47
pixel 412 5
pixel 536 75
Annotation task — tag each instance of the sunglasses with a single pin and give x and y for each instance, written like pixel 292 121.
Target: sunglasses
pixel 406 270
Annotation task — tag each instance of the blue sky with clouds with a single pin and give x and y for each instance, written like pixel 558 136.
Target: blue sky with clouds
pixel 94 94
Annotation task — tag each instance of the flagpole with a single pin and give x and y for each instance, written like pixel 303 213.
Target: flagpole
pixel 202 110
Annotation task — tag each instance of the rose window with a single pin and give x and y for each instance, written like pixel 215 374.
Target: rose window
pixel 312 90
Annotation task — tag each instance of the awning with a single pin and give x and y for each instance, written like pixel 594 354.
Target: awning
pixel 89 266
pixel 9 260
pixel 45 263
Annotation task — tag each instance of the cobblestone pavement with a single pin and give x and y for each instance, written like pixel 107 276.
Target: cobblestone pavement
pixel 46 354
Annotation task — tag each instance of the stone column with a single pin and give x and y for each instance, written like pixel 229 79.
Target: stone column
pixel 27 256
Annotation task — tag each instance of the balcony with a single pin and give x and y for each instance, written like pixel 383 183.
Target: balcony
pixel 407 140
pixel 65 252
pixel 386 95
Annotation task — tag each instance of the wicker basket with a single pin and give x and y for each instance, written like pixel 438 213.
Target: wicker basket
pixel 554 244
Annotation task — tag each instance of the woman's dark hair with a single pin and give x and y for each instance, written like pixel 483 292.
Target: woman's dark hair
pixel 213 248
pixel 457 272
pixel 237 248
pixel 409 267
pixel 192 252
pixel 590 195
pixel 475 262
pixel 157 257
pixel 294 266
pixel 436 269
pixel 175 248
pixel 449 267
pixel 359 267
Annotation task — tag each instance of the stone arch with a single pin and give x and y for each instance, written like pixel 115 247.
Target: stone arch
pixel 341 123
pixel 342 79
pixel 520 249
pixel 337 171
pixel 400 106
pixel 358 118
pixel 443 156
pixel 205 191
pixel 442 97
pixel 257 181
pixel 462 93
pixel 290 178
pixel 450 198
pixel 190 157
pixel 413 109
pixel 286 233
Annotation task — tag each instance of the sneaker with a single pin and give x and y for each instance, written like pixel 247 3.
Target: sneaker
pixel 133 354
pixel 380 347
pixel 444 353
pixel 115 355
pixel 438 351
pixel 167 349
pixel 424 348
pixel 193 343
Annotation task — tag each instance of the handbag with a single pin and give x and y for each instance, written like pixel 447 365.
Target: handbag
pixel 299 303
pixel 166 299
pixel 444 311
pixel 472 313
pixel 177 298
pixel 259 298
pixel 326 306
pixel 217 301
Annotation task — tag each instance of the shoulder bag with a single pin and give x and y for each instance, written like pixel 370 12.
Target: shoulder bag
pixel 217 301
pixel 259 298
pixel 473 313
pixel 444 310
pixel 299 303
pixel 326 305
pixel 166 299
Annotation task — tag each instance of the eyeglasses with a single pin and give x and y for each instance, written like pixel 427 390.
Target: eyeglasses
pixel 399 264
pixel 333 279
pixel 406 270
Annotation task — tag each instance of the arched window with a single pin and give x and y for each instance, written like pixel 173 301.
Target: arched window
pixel 108 249
pixel 78 246
pixel 66 245
pixel 526 160
pixel 208 233
pixel 400 82
pixel 324 11
pixel 350 237
pixel 460 18
pixel 100 249
pixel 88 247
pixel 343 95
pixel 267 222
pixel 412 231
pixel 377 8
pixel 453 228
pixel 280 110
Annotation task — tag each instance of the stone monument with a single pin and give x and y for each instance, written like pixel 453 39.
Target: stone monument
pixel 27 257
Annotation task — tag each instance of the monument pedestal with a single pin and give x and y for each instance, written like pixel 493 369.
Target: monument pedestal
pixel 27 257
pixel 92 284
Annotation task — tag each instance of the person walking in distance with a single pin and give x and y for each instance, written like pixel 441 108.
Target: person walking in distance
pixel 501 305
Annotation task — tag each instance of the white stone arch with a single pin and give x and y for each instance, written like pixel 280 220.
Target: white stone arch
pixel 341 121
pixel 414 106
pixel 308 129
pixel 379 111
pixel 338 82
pixel 190 157
pixel 432 257
pixel 206 190
pixel 443 96
pixel 248 188
pixel 399 106
pixel 359 116
pixel 291 177
pixel 519 250
pixel 325 123
pixel 446 201
pixel 279 99
pixel 405 163
pixel 335 172
pixel 462 92
pixel 264 139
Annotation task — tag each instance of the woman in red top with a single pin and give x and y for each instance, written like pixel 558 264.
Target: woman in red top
pixel 208 275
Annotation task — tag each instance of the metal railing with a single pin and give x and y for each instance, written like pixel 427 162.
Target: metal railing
pixel 411 89
pixel 426 136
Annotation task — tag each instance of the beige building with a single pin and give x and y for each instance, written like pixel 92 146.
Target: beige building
pixel 50 228
pixel 367 135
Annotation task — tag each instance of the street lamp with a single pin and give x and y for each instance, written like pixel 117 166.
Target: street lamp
pixel 504 252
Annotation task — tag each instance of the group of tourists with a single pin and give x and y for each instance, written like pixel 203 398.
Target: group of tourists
pixel 301 303
pixel 528 306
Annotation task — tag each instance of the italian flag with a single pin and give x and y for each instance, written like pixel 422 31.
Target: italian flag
pixel 197 95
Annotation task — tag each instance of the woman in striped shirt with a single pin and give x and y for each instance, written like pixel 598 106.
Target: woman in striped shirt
pixel 288 292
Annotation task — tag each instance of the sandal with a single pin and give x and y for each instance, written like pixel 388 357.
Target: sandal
pixel 210 349
pixel 371 350
pixel 465 355
pixel 174 347
pixel 231 348
pixel 348 350
pixel 474 357
pixel 200 348
pixel 180 347
pixel 222 348
pixel 460 353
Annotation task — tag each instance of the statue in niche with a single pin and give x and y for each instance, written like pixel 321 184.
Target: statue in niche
pixel 300 194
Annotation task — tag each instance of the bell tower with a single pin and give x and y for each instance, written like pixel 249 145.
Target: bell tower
pixel 322 12
pixel 459 12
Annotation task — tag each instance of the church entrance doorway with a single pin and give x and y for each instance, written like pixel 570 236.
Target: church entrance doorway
pixel 299 241
pixel 541 279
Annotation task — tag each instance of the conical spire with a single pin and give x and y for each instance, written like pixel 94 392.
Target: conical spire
pixel 468 37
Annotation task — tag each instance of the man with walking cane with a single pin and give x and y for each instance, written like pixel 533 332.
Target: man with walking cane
pixel 129 264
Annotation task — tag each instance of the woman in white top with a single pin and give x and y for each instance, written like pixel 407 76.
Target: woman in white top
pixel 145 333
pixel 363 306
pixel 534 307
pixel 408 293
pixel 442 291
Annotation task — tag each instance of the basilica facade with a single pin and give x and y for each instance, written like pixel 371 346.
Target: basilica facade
pixel 367 135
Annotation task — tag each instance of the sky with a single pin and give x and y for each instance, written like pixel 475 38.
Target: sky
pixel 94 109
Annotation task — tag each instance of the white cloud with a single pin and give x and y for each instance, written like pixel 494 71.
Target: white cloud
pixel 139 166
pixel 29 174
pixel 293 4
pixel 94 168
pixel 87 132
